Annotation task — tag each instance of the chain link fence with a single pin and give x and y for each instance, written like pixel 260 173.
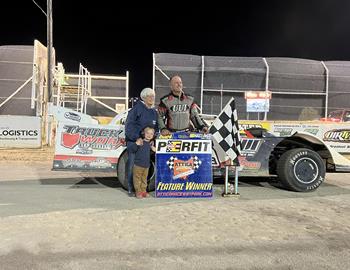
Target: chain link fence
pixel 301 89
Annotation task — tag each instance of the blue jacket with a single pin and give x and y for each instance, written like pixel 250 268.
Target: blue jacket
pixel 142 154
pixel 138 118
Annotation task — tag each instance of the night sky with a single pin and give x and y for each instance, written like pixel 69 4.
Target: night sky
pixel 109 37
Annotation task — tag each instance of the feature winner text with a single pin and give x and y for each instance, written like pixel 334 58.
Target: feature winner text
pixel 188 186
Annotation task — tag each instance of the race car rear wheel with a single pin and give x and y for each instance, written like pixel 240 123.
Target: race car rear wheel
pixel 122 175
pixel 301 170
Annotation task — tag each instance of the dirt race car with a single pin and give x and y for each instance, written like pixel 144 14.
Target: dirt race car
pixel 298 154
pixel 338 116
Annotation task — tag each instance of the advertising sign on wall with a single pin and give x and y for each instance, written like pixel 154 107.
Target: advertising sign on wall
pixel 20 131
pixel 258 101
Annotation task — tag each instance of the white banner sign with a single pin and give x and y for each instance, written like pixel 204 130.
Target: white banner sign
pixel 258 101
pixel 258 105
pixel 20 131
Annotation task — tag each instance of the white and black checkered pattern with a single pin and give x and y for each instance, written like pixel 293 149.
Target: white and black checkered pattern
pixel 196 162
pixel 170 162
pixel 226 132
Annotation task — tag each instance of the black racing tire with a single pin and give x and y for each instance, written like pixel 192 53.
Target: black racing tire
pixel 121 170
pixel 122 176
pixel 301 170
pixel 151 179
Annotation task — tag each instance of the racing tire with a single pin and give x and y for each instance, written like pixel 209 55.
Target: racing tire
pixel 151 177
pixel 121 170
pixel 301 170
pixel 122 176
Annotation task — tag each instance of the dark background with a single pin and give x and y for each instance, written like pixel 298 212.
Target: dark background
pixel 110 37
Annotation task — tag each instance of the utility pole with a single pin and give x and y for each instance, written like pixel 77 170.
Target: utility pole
pixel 49 50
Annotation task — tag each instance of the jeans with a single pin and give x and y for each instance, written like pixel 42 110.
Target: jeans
pixel 130 166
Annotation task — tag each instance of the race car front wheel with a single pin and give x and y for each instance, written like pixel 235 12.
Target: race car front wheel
pixel 151 177
pixel 301 170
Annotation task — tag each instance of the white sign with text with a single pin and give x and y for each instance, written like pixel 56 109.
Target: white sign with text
pixel 20 131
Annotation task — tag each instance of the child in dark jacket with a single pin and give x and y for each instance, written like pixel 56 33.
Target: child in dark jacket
pixel 142 161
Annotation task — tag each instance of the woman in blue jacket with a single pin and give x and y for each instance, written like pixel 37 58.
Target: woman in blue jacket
pixel 143 114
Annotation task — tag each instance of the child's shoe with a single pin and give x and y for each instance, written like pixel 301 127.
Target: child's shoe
pixel 139 195
pixel 145 194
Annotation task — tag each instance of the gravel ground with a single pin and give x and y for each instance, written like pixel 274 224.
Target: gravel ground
pixel 99 227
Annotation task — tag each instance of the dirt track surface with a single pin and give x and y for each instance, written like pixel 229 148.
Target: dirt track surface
pixel 53 220
pixel 27 155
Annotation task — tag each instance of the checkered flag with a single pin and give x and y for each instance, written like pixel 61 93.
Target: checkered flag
pixel 170 162
pixel 196 162
pixel 226 132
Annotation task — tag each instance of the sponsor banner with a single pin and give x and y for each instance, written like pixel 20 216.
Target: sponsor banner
pixel 183 146
pixel 287 129
pixel 88 146
pixel 258 101
pixel 258 105
pixel 187 135
pixel 20 131
pixel 335 135
pixel 183 168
